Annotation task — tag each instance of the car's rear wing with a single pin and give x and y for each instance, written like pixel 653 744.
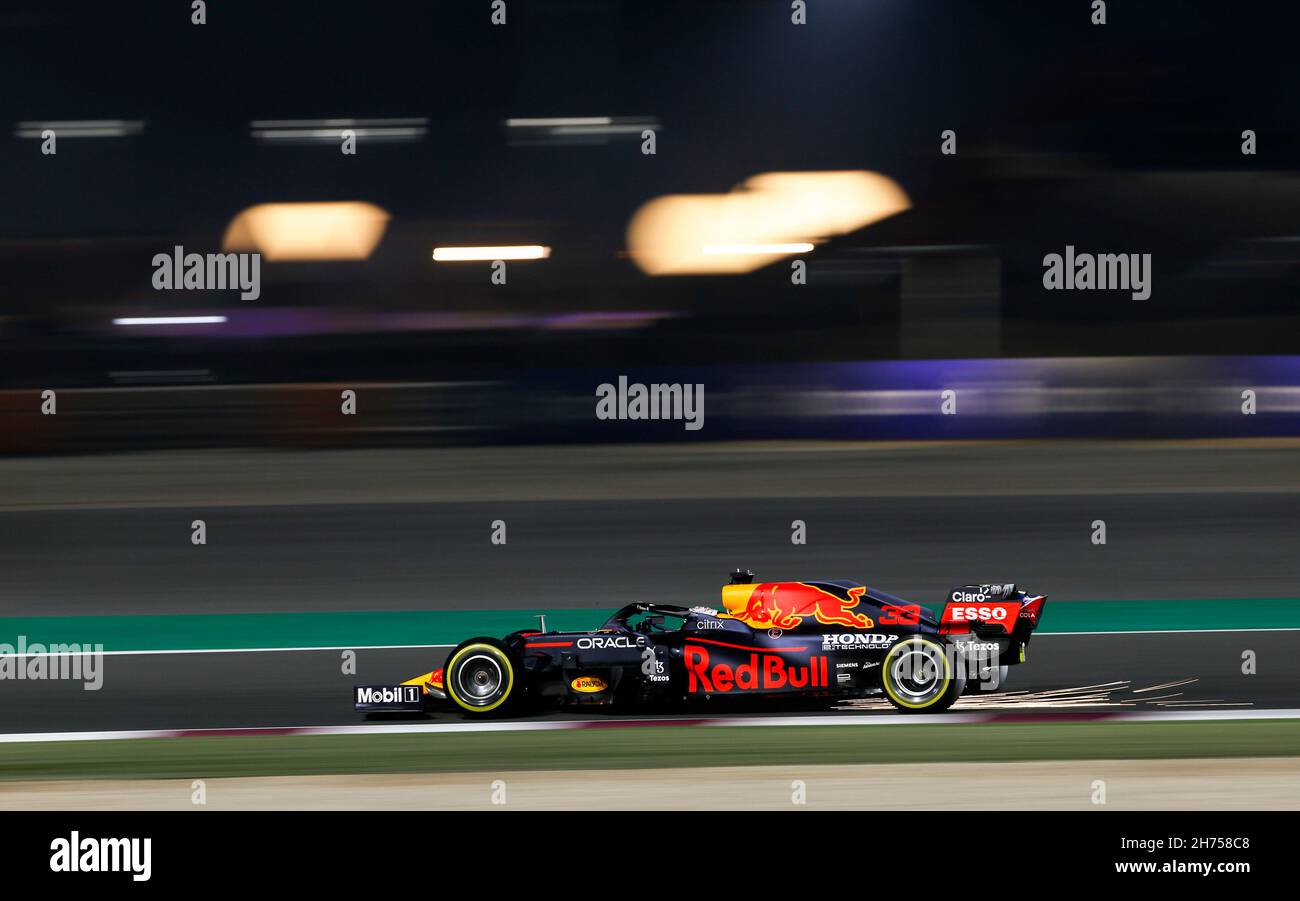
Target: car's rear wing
pixel 991 610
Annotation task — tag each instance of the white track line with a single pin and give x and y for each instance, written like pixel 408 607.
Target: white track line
pixel 398 647
pixel 556 725
pixel 346 647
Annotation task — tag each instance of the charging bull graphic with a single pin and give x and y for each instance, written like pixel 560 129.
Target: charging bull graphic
pixel 784 605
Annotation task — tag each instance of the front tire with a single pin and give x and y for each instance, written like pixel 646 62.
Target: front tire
pixel 480 678
pixel 919 676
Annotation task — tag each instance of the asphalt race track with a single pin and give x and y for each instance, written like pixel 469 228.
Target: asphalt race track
pixel 602 554
pixel 1210 528
pixel 306 688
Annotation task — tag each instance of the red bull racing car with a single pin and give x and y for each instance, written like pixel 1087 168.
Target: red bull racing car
pixel 826 640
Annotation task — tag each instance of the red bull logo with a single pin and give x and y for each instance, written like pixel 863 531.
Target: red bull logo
pixel 784 605
pixel 768 673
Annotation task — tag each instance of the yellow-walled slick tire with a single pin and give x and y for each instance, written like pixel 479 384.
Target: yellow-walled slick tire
pixel 919 675
pixel 480 678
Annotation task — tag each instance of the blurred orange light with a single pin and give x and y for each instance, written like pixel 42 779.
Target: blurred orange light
pixel 308 231
pixel 769 216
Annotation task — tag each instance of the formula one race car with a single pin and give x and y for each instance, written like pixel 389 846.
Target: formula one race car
pixel 827 640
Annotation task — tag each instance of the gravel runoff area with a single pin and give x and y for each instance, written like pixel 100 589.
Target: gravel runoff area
pixel 1270 783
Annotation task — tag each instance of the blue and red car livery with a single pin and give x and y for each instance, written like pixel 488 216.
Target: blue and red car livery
pixel 823 640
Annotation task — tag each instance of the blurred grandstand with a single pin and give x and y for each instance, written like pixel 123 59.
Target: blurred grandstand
pixel 942 292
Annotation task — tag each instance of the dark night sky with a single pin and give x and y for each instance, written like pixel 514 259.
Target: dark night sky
pixel 1124 136
pixel 737 88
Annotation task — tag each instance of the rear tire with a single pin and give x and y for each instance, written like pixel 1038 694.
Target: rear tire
pixel 480 678
pixel 918 675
